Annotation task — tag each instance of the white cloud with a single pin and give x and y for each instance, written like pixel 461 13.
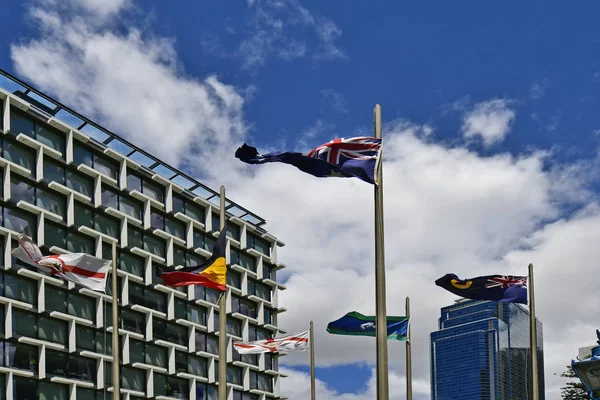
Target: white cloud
pixel 331 99
pixel 273 29
pixel 131 83
pixel 98 9
pixel 491 120
pixel 447 209
pixel 538 89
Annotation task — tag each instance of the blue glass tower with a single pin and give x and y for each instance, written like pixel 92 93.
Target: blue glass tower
pixel 481 352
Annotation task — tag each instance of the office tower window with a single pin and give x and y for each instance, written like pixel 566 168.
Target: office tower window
pixel 127 205
pixel 169 331
pixel 259 289
pixel 103 164
pixel 257 243
pixel 145 241
pixel 188 207
pixel 20 122
pixel 146 186
pixel 243 260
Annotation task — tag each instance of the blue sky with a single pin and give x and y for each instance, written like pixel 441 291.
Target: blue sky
pixel 490 110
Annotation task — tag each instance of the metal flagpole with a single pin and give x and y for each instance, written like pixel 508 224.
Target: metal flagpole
pixel 408 355
pixel 311 344
pixel 381 317
pixel 115 324
pixel 222 320
pixel 533 336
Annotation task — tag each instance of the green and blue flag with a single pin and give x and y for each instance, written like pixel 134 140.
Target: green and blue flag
pixel 354 323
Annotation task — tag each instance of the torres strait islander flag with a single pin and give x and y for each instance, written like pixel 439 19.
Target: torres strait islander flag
pixel 352 157
pixel 212 273
pixel 79 268
pixel 297 342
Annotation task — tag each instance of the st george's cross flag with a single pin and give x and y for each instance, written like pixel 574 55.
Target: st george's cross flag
pixel 352 157
pixel 80 268
pixel 297 342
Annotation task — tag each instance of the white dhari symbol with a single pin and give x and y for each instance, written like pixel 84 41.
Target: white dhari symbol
pixel 367 325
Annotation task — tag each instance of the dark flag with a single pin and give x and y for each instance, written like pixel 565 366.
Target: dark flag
pixel 354 157
pixel 505 288
pixel 212 273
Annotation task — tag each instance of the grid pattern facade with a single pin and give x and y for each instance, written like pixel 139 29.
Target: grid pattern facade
pixel 481 351
pixel 71 192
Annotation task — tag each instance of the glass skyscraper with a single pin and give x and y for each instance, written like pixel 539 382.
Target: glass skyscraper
pixel 73 186
pixel 481 352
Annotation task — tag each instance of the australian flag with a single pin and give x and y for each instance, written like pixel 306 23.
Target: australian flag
pixel 505 288
pixel 353 157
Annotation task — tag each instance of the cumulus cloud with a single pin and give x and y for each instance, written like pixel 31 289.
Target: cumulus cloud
pixel 490 120
pixel 447 209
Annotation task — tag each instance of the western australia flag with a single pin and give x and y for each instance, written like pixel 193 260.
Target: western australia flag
pixel 505 288
pixel 355 323
pixel 354 157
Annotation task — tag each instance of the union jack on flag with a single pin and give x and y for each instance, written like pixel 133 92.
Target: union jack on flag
pixel 358 148
pixel 506 281
pixel 353 157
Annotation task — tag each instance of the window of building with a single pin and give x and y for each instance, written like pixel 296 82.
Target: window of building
pixel 57 235
pixel 206 294
pixel 24 189
pixel 268 271
pixel 147 353
pixel 147 297
pixel 91 339
pixel 146 186
pixel 234 278
pixel 187 258
pixel 261 381
pixel 24 388
pixel 237 395
pixel 171 386
pixel 20 221
pixel 39 327
pixel 2 316
pixel 203 241
pixel 243 260
pixel 133 379
pixel 101 163
pixel 188 207
pixel 234 374
pixel 70 366
pixel 71 303
pixel 2 376
pixel 128 206
pixel 206 392
pixel 190 312
pixel 20 122
pixel 168 224
pixel 271 362
pixel 146 241
pixel 97 220
pixel 20 356
pixel 233 231
pixel 169 331
pixel 259 289
pixel 207 343
pixel 131 263
pixel 19 154
pixel 91 394
pixel 246 358
pixel 233 325
pixel 132 321
pixel 191 364
pixel 269 315
pixel 256 333
pixel 57 172
pixel 245 307
pixel 257 243
pixel 18 287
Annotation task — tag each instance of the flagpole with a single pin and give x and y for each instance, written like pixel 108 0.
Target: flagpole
pixel 408 355
pixel 115 324
pixel 381 318
pixel 311 343
pixel 533 336
pixel 222 318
